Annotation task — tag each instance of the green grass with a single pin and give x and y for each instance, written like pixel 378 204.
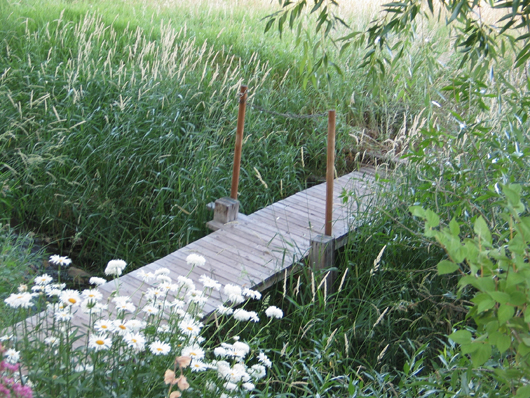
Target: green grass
pixel 117 126
pixel 19 262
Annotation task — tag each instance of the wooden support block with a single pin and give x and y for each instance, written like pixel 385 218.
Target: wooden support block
pixel 322 256
pixel 226 210
pixel 322 251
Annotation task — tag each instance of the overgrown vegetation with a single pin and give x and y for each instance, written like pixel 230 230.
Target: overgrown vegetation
pixel 117 125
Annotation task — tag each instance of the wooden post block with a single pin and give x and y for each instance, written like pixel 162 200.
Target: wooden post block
pixel 322 255
pixel 226 210
pixel 322 251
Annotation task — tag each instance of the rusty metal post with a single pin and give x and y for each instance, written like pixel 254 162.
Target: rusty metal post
pixel 239 140
pixel 330 173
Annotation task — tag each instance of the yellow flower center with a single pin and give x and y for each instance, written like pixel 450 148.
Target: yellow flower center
pixel 100 342
pixel 159 349
pixel 192 354
pixel 103 326
pixel 122 327
pixel 189 328
pixel 72 300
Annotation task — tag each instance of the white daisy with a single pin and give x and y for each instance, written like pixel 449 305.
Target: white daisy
pixel 121 327
pixel 264 360
pixel 187 282
pixel 248 386
pixel 195 260
pixel 150 309
pixel 60 260
pixel 52 340
pixel 135 341
pixel 43 279
pixel 159 348
pixel 135 324
pixel 17 300
pixel 70 297
pixel 220 352
pixel 120 299
pixel 91 294
pixel 208 282
pixel 257 371
pixel 241 315
pixel 240 349
pixel 97 281
pixel 194 351
pixel 162 271
pixel 198 366
pixel 12 356
pixel 99 342
pixel 146 276
pixel 274 312
pixel 115 267
pixel 196 296
pixel 63 316
pixel 163 279
pixel 104 326
pixel 252 294
pixel 153 294
pixel 234 294
pixel 190 327
pixel 224 310
pixel 126 306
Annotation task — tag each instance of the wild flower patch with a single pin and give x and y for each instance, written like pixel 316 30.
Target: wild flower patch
pixel 136 344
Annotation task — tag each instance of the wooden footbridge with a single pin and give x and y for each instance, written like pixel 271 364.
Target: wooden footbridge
pixel 260 249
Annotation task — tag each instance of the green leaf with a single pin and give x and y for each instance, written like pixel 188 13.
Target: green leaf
pixel 523 392
pixel 461 337
pixel 485 305
pixel 527 315
pixel 417 211
pixel 505 313
pixel 446 267
pixel 500 340
pixel 482 230
pixel 432 219
pixel 481 354
pixel 454 227
pixel 456 11
pixel 500 297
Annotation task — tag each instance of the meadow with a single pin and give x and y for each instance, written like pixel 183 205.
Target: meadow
pixel 117 126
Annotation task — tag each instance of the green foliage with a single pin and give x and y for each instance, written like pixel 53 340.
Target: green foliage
pixel 19 261
pixel 494 265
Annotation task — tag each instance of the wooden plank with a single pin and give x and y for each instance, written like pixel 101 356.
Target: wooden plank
pixel 296 235
pixel 227 273
pixel 268 217
pixel 229 270
pixel 282 237
pixel 254 236
pixel 239 260
pixel 292 219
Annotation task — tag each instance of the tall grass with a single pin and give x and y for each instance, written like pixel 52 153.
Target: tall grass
pixel 117 125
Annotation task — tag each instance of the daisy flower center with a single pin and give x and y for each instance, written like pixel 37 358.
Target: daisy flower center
pixel 100 342
pixel 122 327
pixel 72 300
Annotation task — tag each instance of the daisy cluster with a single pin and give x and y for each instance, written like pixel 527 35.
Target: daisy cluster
pixel 162 318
